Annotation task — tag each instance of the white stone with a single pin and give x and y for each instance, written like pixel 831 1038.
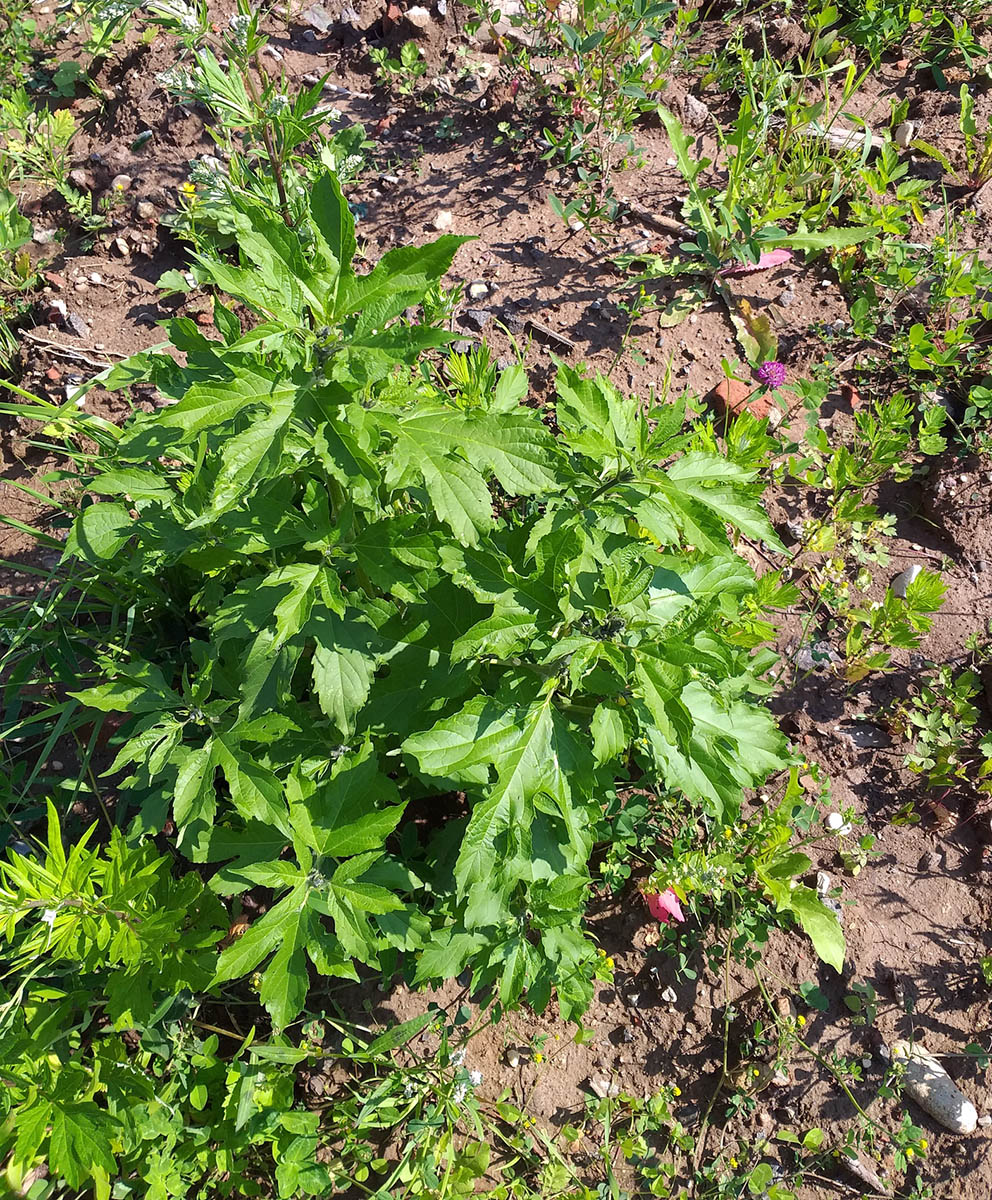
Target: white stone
pixel 904 579
pixel 904 134
pixel 418 17
pixel 443 219
pixel 934 1090
pixel 834 822
pixel 121 183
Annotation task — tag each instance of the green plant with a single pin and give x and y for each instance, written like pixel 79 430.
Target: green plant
pixel 747 878
pixel 944 726
pixel 977 168
pixel 36 146
pixel 387 592
pixel 268 135
pixel 736 224
pixel 612 59
pixel 15 232
pixel 401 73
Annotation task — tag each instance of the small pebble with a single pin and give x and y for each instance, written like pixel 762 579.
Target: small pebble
pixel 95 277
pixel 985 1121
pixel 418 17
pixel 904 134
pixel 823 883
pixel 443 220
pixel 121 183
pixel 477 318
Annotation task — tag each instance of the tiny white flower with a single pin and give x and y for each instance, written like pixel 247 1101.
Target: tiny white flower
pixel 458 1095
pixel 458 1058
pixel 475 1078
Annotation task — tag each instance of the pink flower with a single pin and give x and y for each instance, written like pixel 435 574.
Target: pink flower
pixel 771 374
pixel 664 906
pixel 770 258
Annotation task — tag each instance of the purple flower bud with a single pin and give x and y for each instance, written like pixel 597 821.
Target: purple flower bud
pixel 771 374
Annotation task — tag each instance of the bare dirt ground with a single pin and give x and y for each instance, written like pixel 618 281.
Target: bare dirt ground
pixel 917 916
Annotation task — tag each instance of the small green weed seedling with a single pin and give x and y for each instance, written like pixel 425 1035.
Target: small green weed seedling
pixel 943 725
pixel 401 74
pixel 36 147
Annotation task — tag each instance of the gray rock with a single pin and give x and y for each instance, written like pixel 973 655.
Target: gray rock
pixel 695 111
pixel 44 237
pixel 787 297
pixel 75 324
pixel 477 318
pixel 815 657
pixel 121 183
pixel 144 210
pixel 317 18
pixel 462 346
pixel 864 735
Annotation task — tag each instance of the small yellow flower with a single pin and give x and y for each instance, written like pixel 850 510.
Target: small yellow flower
pixel 609 963
pixel 676 1091
pixel 757 1071
pixel 800 1020
pixel 727 833
pixel 733 1163
pixel 538 1057
pixel 187 188
pixel 923 1143
pixel 909 1151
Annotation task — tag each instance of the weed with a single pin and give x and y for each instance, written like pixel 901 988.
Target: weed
pixel 400 74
